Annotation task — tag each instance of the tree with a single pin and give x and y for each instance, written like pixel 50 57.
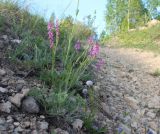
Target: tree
pixel 152 6
pixel 121 15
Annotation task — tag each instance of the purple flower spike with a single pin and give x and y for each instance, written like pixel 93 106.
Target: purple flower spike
pixel 50 34
pixel 94 51
pixel 77 45
pixel 90 41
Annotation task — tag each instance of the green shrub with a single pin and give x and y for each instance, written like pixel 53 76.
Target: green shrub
pixel 60 103
pixel 156 73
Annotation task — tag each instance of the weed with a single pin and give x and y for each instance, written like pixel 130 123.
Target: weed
pixel 156 72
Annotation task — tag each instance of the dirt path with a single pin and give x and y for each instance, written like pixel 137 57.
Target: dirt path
pixel 131 95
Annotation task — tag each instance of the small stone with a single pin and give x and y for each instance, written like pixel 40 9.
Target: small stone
pixel 105 108
pixel 21 82
pixel 60 131
pixel 30 105
pixel 125 129
pixel 5 107
pixel 42 116
pixel 131 101
pixel 2 121
pixel 3 127
pixel 134 125
pixel 26 124
pixel 153 125
pixel 16 100
pixel 5 37
pixel 16 124
pixel 151 115
pixel 2 72
pixel 42 125
pixel 154 102
pixel 34 132
pixel 18 129
pixel 19 87
pixel 1 44
pixel 150 131
pixel 127 119
pixel 77 124
pixel 3 90
pixel 17 41
pixel 9 119
pixel 89 83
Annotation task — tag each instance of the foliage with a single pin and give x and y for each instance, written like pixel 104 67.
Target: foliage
pixel 147 39
pixel 152 7
pixel 156 72
pixel 60 62
pixel 124 15
pixel 34 48
pixel 89 125
pixel 60 103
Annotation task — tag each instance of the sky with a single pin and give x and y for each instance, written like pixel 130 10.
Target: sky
pixel 63 8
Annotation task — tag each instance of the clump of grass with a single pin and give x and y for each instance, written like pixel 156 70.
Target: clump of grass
pixel 156 73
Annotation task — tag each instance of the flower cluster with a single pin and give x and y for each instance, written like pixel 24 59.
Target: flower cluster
pixel 77 45
pixel 50 34
pixel 90 40
pixel 99 64
pixel 94 51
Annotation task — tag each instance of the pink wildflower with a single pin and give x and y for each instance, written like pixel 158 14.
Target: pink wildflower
pixel 94 51
pixel 57 28
pixel 90 40
pixel 50 34
pixel 99 64
pixel 77 45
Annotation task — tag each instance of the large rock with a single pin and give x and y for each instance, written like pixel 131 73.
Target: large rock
pixel 5 107
pixel 16 100
pixel 30 105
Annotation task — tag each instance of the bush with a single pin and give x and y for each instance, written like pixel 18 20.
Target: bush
pixel 60 103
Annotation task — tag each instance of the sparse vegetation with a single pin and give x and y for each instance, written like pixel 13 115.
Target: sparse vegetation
pixel 156 72
pixel 62 62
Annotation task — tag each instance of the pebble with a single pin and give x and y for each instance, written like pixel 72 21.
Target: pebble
pixel 3 90
pixel 16 124
pixel 77 124
pixel 2 72
pixel 5 107
pixel 30 105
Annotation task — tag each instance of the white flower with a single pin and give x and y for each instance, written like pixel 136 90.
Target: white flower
pixel 89 83
pixel 84 91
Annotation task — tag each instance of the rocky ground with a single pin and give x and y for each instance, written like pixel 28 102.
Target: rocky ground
pixel 19 113
pixel 130 94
